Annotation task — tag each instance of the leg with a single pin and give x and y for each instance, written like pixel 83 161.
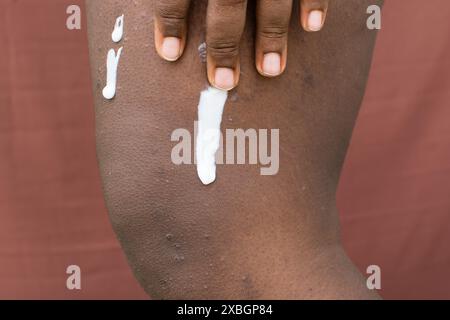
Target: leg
pixel 247 235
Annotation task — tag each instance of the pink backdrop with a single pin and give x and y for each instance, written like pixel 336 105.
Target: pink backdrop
pixel 394 197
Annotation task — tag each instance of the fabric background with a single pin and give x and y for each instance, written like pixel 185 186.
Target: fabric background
pixel 394 196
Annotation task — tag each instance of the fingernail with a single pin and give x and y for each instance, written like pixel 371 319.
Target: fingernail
pixel 272 64
pixel 224 78
pixel 171 48
pixel 315 20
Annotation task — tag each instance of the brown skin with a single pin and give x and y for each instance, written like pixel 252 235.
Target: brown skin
pixel 246 236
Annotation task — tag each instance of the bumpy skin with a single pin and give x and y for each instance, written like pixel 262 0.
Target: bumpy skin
pixel 246 236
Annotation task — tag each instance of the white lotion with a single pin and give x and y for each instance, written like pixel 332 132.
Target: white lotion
pixel 210 110
pixel 111 73
pixel 118 30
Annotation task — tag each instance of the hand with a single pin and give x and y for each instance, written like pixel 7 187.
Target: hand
pixel 225 25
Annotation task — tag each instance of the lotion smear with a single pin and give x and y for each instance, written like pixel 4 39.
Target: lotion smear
pixel 210 110
pixel 118 30
pixel 112 63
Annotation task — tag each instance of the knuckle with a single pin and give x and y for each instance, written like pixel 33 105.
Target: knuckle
pixel 315 4
pixel 223 48
pixel 170 14
pixel 273 32
pixel 231 3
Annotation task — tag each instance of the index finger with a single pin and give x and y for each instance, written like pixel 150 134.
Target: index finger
pixel 171 28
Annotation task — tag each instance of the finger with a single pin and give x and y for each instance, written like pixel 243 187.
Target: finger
pixel 225 25
pixel 313 14
pixel 272 36
pixel 171 28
